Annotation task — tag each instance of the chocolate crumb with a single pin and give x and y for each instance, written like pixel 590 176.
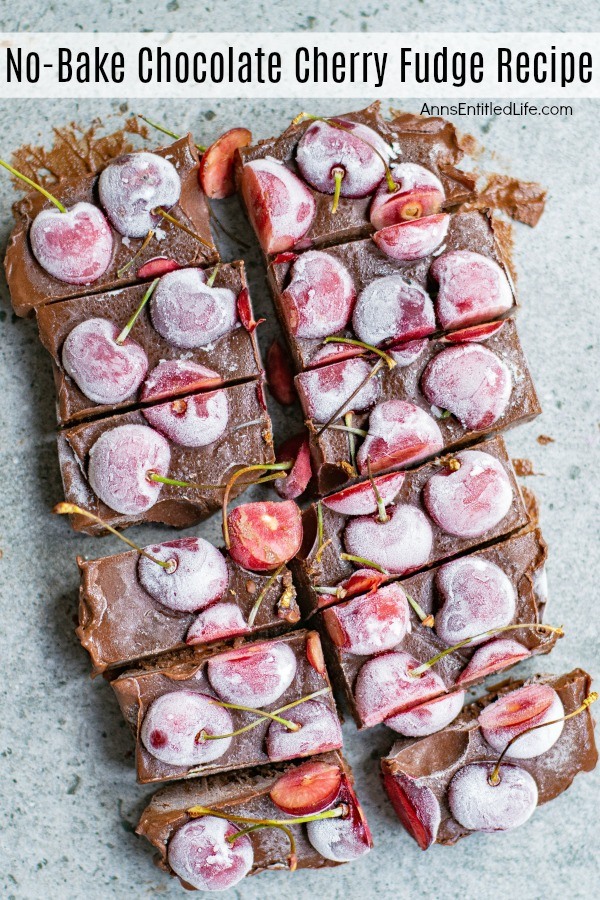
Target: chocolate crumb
pixel 544 439
pixel 523 201
pixel 523 467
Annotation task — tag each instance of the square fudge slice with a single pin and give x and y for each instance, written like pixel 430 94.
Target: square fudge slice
pixel 433 513
pixel 270 792
pixel 287 184
pixel 107 465
pixel 91 237
pixel 189 335
pixel 130 608
pixel 448 396
pixel 284 675
pixel 372 641
pixel 357 291
pixel 432 781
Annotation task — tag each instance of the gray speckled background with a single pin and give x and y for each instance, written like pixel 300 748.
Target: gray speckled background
pixel 67 782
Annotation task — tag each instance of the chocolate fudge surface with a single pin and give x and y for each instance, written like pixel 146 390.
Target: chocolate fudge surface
pixel 233 357
pixel 314 568
pixel 31 286
pixel 137 689
pixel 244 793
pixel 521 557
pixel 330 449
pixel 473 231
pixel 432 143
pixel 246 440
pixel 120 622
pixel 431 762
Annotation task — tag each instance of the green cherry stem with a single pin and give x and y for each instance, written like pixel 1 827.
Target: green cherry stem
pixel 426 618
pixel 382 514
pixel 164 130
pixel 494 778
pixel 128 265
pixel 159 211
pixel 262 467
pixel 35 185
pixel 420 670
pixel 70 509
pixel 335 813
pixel 263 594
pixel 211 280
pixel 359 432
pixel 348 424
pixel 338 176
pixel 292 856
pixel 371 348
pixel 374 371
pixel 162 479
pixel 262 715
pixel 363 562
pixel 125 333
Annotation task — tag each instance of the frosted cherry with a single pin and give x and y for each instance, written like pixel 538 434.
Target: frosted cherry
pixel 413 240
pixel 472 289
pixel 324 391
pixel 75 246
pixel 416 806
pixel 400 545
pixel 172 723
pixel 319 298
pixel 392 309
pixel 427 718
pixel 133 185
pixel 493 657
pixel 360 500
pixel 369 624
pixel 177 376
pixel 188 313
pixel 517 711
pixel 476 596
pixel 479 806
pixel 255 675
pixel 280 206
pixel 420 193
pixel 221 620
pixel 324 148
pixel 197 575
pixel 399 433
pixel 200 854
pixel 384 686
pixel 319 733
pixel 193 421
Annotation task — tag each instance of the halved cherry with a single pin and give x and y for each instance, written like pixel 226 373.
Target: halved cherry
pixel 413 240
pixel 473 334
pixel 333 352
pixel 296 450
pixel 399 433
pixel 308 789
pixel 314 653
pixel 176 376
pixel 415 805
pixel 472 288
pixel 264 535
pixel 492 657
pixel 280 376
pixel 519 711
pixel 363 581
pixel 420 193
pixel 360 500
pixel 215 172
pixel 156 267
pixel 279 204
pixel 318 300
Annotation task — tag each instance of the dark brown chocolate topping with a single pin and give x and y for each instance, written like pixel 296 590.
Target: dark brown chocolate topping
pixel 244 793
pixel 522 558
pixel 330 450
pixel 119 623
pixel 235 356
pixel 246 440
pixel 433 761
pixel 31 286
pixel 137 689
pixel 310 572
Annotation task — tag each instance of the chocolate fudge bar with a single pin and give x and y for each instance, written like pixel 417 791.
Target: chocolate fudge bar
pixel 435 512
pixel 130 608
pixel 288 182
pixel 271 792
pixel 380 634
pixel 439 785
pixel 449 396
pixel 174 710
pixel 99 233
pixel 187 326
pixel 200 438
pixel 358 291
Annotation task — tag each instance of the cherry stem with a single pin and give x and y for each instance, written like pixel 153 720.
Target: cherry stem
pixel 70 509
pixel 349 430
pixel 35 185
pixel 335 813
pixel 392 186
pixel 374 371
pixel 159 211
pixel 551 629
pixel 391 363
pixel 211 280
pixel 124 334
pixel 262 715
pixel 494 778
pixel 348 420
pixel 128 265
pixel 338 591
pixel 363 562
pixel 426 618
pixel 263 467
pixel 162 479
pixel 338 176
pixel 292 856
pixel 382 514
pixel 263 594
pixel 167 131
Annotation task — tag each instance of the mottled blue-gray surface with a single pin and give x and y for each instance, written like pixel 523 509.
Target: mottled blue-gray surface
pixel 67 780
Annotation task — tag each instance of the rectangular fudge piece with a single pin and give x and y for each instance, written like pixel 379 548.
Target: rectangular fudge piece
pixel 127 613
pixel 480 387
pixel 315 294
pixel 31 286
pixel 231 356
pixel 504 584
pixel 246 439
pixel 417 773
pixel 303 215
pixel 412 539
pixel 265 675
pixel 249 794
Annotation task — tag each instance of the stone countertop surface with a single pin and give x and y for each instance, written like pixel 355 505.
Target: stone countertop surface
pixel 69 797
